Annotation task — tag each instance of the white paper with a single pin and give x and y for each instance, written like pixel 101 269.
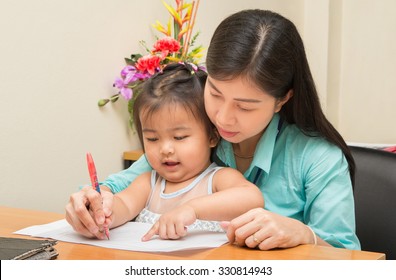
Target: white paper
pixel 128 237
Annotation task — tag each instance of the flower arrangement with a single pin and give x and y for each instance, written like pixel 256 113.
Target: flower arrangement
pixel 176 46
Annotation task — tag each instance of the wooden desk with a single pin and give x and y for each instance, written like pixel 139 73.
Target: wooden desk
pixel 13 219
pixel 131 156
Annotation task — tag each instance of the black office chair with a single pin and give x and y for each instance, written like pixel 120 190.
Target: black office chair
pixel 375 200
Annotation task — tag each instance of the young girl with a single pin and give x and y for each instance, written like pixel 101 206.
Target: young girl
pixel 261 96
pixel 184 189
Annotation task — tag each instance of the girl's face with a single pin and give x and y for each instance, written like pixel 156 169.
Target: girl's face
pixel 175 143
pixel 239 110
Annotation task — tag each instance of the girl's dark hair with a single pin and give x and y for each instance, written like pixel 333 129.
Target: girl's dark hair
pixel 266 49
pixel 176 84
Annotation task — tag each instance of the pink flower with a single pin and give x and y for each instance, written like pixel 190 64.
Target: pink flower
pixel 130 74
pixel 127 70
pixel 149 63
pixel 125 91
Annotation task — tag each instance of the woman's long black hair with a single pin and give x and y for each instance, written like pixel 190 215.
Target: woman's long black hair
pixel 266 48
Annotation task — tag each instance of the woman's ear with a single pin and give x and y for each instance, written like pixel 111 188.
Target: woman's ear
pixel 280 102
pixel 214 138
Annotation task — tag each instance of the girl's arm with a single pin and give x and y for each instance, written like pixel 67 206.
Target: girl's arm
pixel 232 196
pixel 128 203
pixel 86 222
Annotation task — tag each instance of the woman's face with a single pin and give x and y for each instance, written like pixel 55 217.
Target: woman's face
pixel 239 110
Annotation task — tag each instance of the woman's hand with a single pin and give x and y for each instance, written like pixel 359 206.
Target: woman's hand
pixel 172 224
pixel 89 212
pixel 266 230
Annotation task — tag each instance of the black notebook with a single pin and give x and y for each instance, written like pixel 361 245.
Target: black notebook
pixel 27 249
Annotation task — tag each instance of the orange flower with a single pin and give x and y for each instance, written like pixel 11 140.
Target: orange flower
pixel 148 63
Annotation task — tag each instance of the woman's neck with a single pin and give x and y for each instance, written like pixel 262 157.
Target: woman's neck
pixel 244 152
pixel 246 148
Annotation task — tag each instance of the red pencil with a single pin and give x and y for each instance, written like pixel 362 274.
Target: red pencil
pixel 94 181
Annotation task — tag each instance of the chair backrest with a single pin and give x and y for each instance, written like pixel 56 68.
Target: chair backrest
pixel 375 200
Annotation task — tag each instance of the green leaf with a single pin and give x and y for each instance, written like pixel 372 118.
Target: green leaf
pixel 103 102
pixel 194 38
pixel 134 58
pixel 114 98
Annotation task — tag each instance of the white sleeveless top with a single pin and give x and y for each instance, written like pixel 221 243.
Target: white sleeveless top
pixel 160 202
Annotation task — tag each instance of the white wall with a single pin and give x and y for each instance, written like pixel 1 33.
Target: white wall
pixel 367 98
pixel 316 38
pixel 351 45
pixel 57 58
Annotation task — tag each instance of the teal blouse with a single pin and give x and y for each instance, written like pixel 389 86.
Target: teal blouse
pixel 301 177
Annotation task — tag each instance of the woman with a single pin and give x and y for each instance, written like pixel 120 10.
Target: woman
pixel 261 97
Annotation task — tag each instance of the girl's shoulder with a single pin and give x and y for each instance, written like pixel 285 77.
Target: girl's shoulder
pixel 144 179
pixel 227 174
pixel 225 170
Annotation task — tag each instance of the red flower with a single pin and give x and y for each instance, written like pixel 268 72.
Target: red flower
pixel 148 63
pixel 166 45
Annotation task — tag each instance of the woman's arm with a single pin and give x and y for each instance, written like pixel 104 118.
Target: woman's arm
pixel 328 210
pixel 121 180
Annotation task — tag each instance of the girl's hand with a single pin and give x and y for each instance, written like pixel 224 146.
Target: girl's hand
pixel 88 212
pixel 266 230
pixel 172 224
